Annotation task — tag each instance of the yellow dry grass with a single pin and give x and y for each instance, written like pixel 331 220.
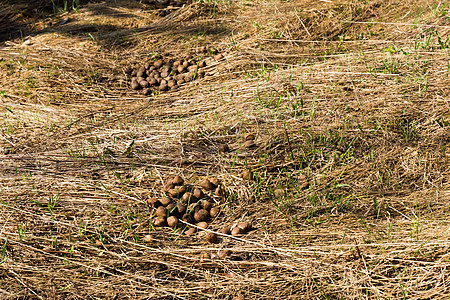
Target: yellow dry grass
pixel 352 95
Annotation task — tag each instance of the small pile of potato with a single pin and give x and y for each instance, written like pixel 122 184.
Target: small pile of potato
pixel 164 74
pixel 192 205
pixel 164 3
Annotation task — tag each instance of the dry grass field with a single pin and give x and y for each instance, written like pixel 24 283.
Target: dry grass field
pixel 346 186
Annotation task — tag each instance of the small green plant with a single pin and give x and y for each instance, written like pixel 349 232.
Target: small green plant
pixel 51 203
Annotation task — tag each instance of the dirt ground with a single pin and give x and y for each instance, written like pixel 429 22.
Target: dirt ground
pixel 346 183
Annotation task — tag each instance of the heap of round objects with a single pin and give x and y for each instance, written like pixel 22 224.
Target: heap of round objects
pixel 186 204
pixel 163 74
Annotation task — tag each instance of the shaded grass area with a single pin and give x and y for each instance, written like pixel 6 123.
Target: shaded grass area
pixel 348 182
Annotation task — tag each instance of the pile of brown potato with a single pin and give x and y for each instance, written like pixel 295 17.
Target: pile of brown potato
pixel 165 74
pixel 188 204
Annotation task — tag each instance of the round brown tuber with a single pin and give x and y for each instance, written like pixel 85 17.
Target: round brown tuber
pixel 224 253
pixel 188 218
pixel 158 63
pixel 246 174
pixel 198 193
pixel 245 226
pixel 148 238
pixel 236 231
pixel 181 208
pixel 177 180
pixel 219 192
pixel 201 215
pixel 147 91
pixel 171 208
pixel 225 230
pixel 215 182
pixel 191 231
pixel 249 137
pixel 211 237
pixel 153 202
pixel 214 212
pixel 159 221
pixel 187 197
pixel 206 184
pixel 161 211
pixel 203 225
pixel 128 70
pixel 165 201
pixel 223 148
pixel 206 204
pixel 172 221
pixel 135 85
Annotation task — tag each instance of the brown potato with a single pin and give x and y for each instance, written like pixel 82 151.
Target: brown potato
pixel 188 218
pixel 214 212
pixel 171 84
pixel 223 253
pixel 147 91
pixel 169 180
pixel 246 174
pixel 128 70
pixel 225 230
pixel 191 231
pixel 245 226
pixel 168 187
pixel 223 148
pixel 202 49
pixel 215 182
pixel 144 83
pixel 206 184
pixel 219 192
pixel 135 85
pixel 163 87
pixel 165 201
pixel 202 64
pixel 249 137
pixel 148 238
pixel 172 221
pixel 188 197
pixel 203 225
pixel 206 204
pixel 198 193
pixel 153 202
pixel 211 237
pixel 218 56
pixel 181 68
pixel 177 180
pixel 181 208
pixel 236 231
pixel 171 208
pixel 192 68
pixel 161 211
pixel 158 63
pixel 194 207
pixel 177 191
pixel 159 221
pixel 201 215
pixel 164 74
